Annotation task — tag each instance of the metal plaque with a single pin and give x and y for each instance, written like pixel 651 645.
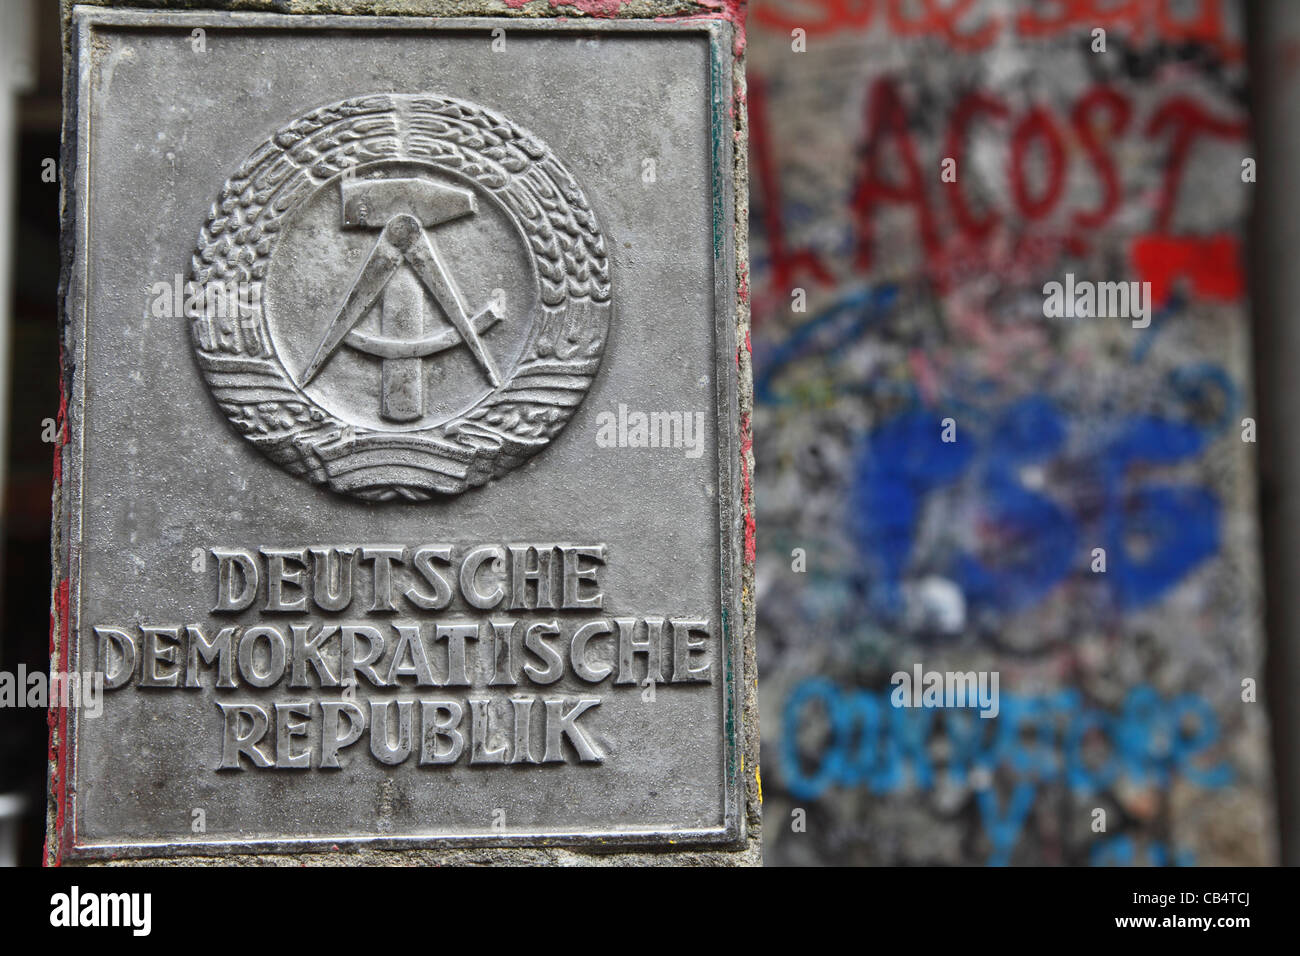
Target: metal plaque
pixel 399 504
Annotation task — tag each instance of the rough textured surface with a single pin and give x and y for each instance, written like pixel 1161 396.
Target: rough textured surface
pixel 748 853
pixel 924 302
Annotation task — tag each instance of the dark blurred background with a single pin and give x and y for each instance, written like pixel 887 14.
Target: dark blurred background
pixel 32 58
pixel 898 299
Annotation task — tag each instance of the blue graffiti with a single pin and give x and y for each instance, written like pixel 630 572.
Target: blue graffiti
pixel 1039 539
pixel 1004 829
pixel 1178 527
pixel 885 748
pixel 907 461
pixel 1153 534
pixel 827 332
pixel 1036 739
pixel 1175 304
pixel 1120 851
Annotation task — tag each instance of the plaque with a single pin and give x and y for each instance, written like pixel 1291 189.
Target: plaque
pixel 400 496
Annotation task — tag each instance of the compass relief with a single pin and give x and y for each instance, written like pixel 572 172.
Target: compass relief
pixel 436 297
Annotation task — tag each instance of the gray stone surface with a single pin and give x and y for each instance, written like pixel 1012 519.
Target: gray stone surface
pixel 139 526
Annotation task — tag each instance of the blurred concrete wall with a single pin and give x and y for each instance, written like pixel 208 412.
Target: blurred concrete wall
pixel 952 478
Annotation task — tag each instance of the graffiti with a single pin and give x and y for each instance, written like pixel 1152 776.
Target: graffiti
pixel 976 485
pixel 1121 851
pixel 1212 265
pixel 1031 541
pixel 845 322
pixel 1096 122
pixel 786 266
pixel 1093 128
pixel 1148 741
pixel 885 748
pixel 966 28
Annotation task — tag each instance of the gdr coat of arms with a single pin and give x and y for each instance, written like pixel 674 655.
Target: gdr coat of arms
pixel 431 296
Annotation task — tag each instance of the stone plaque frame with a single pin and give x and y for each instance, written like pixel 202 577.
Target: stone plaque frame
pixel 735 661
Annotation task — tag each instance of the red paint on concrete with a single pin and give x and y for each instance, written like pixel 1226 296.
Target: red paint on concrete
pixel 746 443
pixel 1211 265
pixel 961 25
pixel 593 8
pixel 57 719
pixel 61 435
pixel 1184 119
pixel 739 101
pixel 733 11
pixel 787 266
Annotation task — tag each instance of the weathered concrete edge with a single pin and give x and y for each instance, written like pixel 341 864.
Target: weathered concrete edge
pixel 747 853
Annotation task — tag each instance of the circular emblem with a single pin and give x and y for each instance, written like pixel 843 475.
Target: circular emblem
pixel 411 296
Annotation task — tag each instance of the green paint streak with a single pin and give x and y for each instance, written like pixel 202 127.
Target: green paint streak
pixel 718 126
pixel 729 724
pixel 720 97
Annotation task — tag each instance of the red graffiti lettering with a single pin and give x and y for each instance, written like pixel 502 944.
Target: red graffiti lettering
pixel 887 121
pixel 1037 126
